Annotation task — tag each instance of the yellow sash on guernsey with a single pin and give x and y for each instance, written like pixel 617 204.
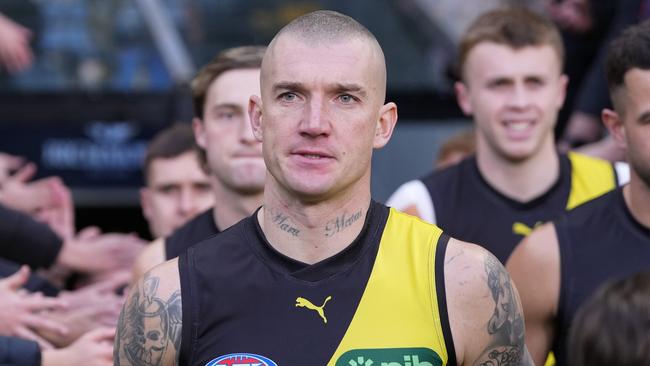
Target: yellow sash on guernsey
pixel 397 321
pixel 590 178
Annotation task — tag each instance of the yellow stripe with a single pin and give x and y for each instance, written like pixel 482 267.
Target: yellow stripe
pixel 550 360
pixel 590 178
pixel 399 307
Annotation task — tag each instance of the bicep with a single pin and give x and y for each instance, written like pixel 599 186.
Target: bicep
pixel 505 327
pixel 485 310
pixel 149 328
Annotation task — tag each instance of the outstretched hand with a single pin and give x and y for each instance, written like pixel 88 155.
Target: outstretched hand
pixel 91 252
pixel 22 313
pixel 90 307
pixel 47 200
pixel 15 52
pixel 94 348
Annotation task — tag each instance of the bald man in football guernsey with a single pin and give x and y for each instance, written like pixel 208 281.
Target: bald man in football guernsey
pixel 321 274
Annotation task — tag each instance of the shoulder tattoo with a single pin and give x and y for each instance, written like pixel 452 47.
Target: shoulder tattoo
pixel 506 325
pixel 149 326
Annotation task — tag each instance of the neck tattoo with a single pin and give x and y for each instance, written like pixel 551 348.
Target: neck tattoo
pixel 341 223
pixel 283 222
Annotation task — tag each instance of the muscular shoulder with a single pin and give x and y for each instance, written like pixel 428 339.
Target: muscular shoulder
pixel 152 255
pixel 537 252
pixel 535 268
pixel 484 309
pixel 149 328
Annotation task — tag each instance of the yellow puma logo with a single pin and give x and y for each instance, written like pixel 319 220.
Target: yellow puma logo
pixel 523 229
pixel 304 303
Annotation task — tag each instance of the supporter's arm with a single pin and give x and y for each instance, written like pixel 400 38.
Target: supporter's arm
pixel 21 313
pixel 35 283
pixel 157 292
pixel 535 268
pixel 19 352
pixel 151 256
pixel 8 165
pixel 487 322
pixel 15 52
pixel 48 200
pixel 26 241
pixel 92 349
pixel 92 252
pixel 88 308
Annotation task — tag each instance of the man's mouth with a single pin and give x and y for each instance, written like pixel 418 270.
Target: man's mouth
pixel 518 125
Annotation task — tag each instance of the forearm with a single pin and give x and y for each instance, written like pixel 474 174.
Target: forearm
pixel 27 241
pixel 19 352
pixel 35 283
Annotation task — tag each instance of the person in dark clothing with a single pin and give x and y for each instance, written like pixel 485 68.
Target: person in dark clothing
pixel 319 238
pixel 604 239
pixel 176 187
pixel 512 85
pixel 26 241
pixel 229 151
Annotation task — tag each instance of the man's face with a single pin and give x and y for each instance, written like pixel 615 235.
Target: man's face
pixel 177 190
pixel 234 155
pixel 320 115
pixel 635 100
pixel 514 97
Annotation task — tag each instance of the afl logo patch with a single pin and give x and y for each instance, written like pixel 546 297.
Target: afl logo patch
pixel 241 359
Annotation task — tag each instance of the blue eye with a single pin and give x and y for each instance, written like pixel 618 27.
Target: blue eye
pixel 288 97
pixel 346 98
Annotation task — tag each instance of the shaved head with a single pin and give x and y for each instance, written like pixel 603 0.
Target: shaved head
pixel 327 28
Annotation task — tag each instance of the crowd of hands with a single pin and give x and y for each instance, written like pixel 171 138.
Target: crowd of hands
pixel 77 326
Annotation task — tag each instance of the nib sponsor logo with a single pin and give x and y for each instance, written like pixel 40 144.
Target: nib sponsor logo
pixel 390 357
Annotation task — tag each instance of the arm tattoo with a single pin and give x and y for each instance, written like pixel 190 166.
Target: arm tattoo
pixel 147 327
pixel 506 326
pixel 341 223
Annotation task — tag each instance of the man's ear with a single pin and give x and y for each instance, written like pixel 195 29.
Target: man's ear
pixel 255 115
pixel 561 93
pixel 462 97
pixel 145 202
pixel 385 125
pixel 615 126
pixel 199 132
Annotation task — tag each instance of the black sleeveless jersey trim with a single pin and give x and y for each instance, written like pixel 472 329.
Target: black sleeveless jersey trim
pixel 197 229
pixel 441 249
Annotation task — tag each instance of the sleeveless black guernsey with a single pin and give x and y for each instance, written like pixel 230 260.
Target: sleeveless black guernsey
pixel 468 208
pixel 598 241
pixel 197 229
pixel 379 301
